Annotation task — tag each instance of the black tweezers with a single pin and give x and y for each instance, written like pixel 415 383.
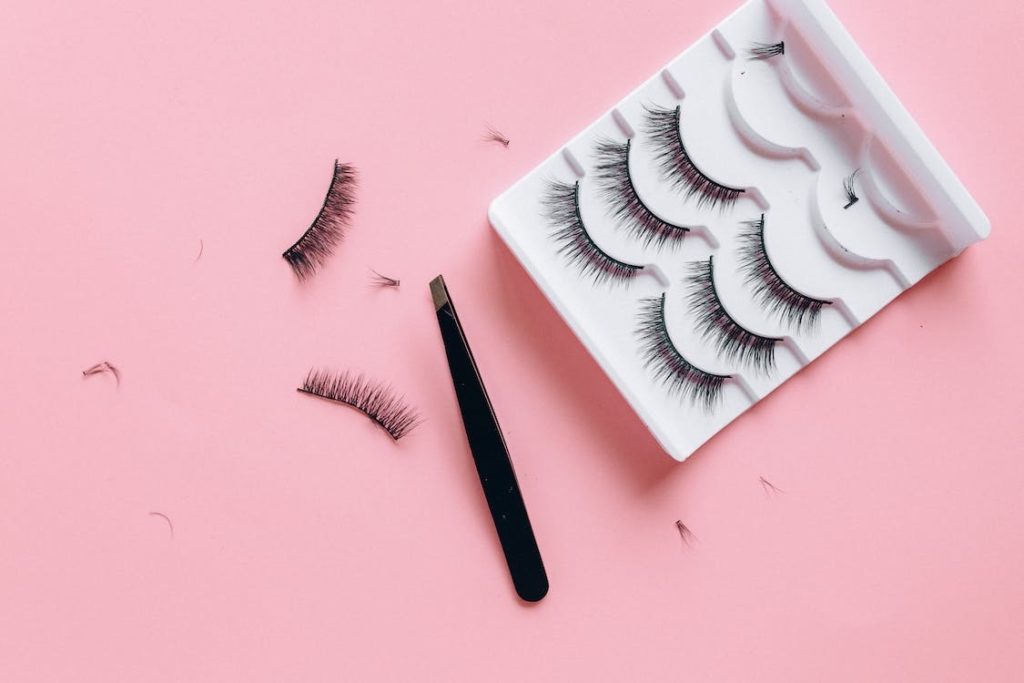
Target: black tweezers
pixel 497 477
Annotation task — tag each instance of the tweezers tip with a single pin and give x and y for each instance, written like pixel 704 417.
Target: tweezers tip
pixel 438 292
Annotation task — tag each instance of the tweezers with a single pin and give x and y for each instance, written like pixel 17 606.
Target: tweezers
pixel 497 477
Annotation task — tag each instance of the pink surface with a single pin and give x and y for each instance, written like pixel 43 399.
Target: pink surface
pixel 306 546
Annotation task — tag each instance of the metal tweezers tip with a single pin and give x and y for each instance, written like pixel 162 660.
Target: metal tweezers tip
pixel 438 292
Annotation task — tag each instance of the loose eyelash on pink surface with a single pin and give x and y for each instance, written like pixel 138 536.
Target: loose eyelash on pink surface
pixel 327 230
pixel 377 401
pixel 817 198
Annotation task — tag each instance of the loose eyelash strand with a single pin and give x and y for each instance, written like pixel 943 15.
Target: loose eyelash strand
pixel 767 50
pixel 376 401
pixel 562 205
pixel 495 135
pixel 102 367
pixel 850 189
pixel 782 301
pixel 383 281
pixel 615 183
pixel 668 365
pixel 327 230
pixel 714 323
pixel 678 168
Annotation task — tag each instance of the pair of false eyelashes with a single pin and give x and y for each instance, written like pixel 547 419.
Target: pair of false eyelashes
pixel 713 322
pixel 375 400
pixel 716 326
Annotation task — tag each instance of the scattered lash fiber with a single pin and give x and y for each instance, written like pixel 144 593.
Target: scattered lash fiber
pixel 799 312
pixel 850 189
pixel 668 365
pixel 101 368
pixel 562 208
pixel 200 254
pixel 769 488
pixel 327 230
pixel 615 183
pixel 495 135
pixel 378 280
pixel 167 519
pixel 377 401
pixel 732 340
pixel 684 532
pixel 767 50
pixel 678 168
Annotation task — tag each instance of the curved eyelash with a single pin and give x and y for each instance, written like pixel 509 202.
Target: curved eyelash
pixel 676 165
pixel 328 228
pixel 798 311
pixel 615 183
pixel 376 401
pixel 562 205
pixel 669 365
pixel 733 341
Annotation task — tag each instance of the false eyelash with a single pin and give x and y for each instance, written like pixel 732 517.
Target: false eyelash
pixel 678 168
pixel 733 341
pixel 376 401
pixel 767 50
pixel 850 190
pixel 790 306
pixel 562 204
pixel 615 183
pixel 495 135
pixel 328 228
pixel 383 281
pixel 670 367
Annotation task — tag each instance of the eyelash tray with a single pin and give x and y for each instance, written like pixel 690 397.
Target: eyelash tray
pixel 789 143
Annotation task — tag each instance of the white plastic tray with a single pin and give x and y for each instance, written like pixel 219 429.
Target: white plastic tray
pixel 787 129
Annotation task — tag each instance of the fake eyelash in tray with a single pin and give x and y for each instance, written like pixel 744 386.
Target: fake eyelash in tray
pixel 817 197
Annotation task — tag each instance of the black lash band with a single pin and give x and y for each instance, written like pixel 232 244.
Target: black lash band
pixel 668 365
pixel 326 231
pixel 767 50
pixel 733 341
pixel 798 311
pixel 562 206
pixel 377 401
pixel 615 182
pixel 678 168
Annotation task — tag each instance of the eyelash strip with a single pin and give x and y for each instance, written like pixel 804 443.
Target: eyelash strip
pixel 798 311
pixel 562 203
pixel 676 165
pixel 668 364
pixel 326 231
pixel 616 185
pixel 733 341
pixel 376 401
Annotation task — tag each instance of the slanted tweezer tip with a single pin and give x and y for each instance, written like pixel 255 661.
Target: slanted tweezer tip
pixel 438 292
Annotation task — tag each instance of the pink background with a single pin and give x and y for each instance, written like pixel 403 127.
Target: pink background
pixel 306 545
